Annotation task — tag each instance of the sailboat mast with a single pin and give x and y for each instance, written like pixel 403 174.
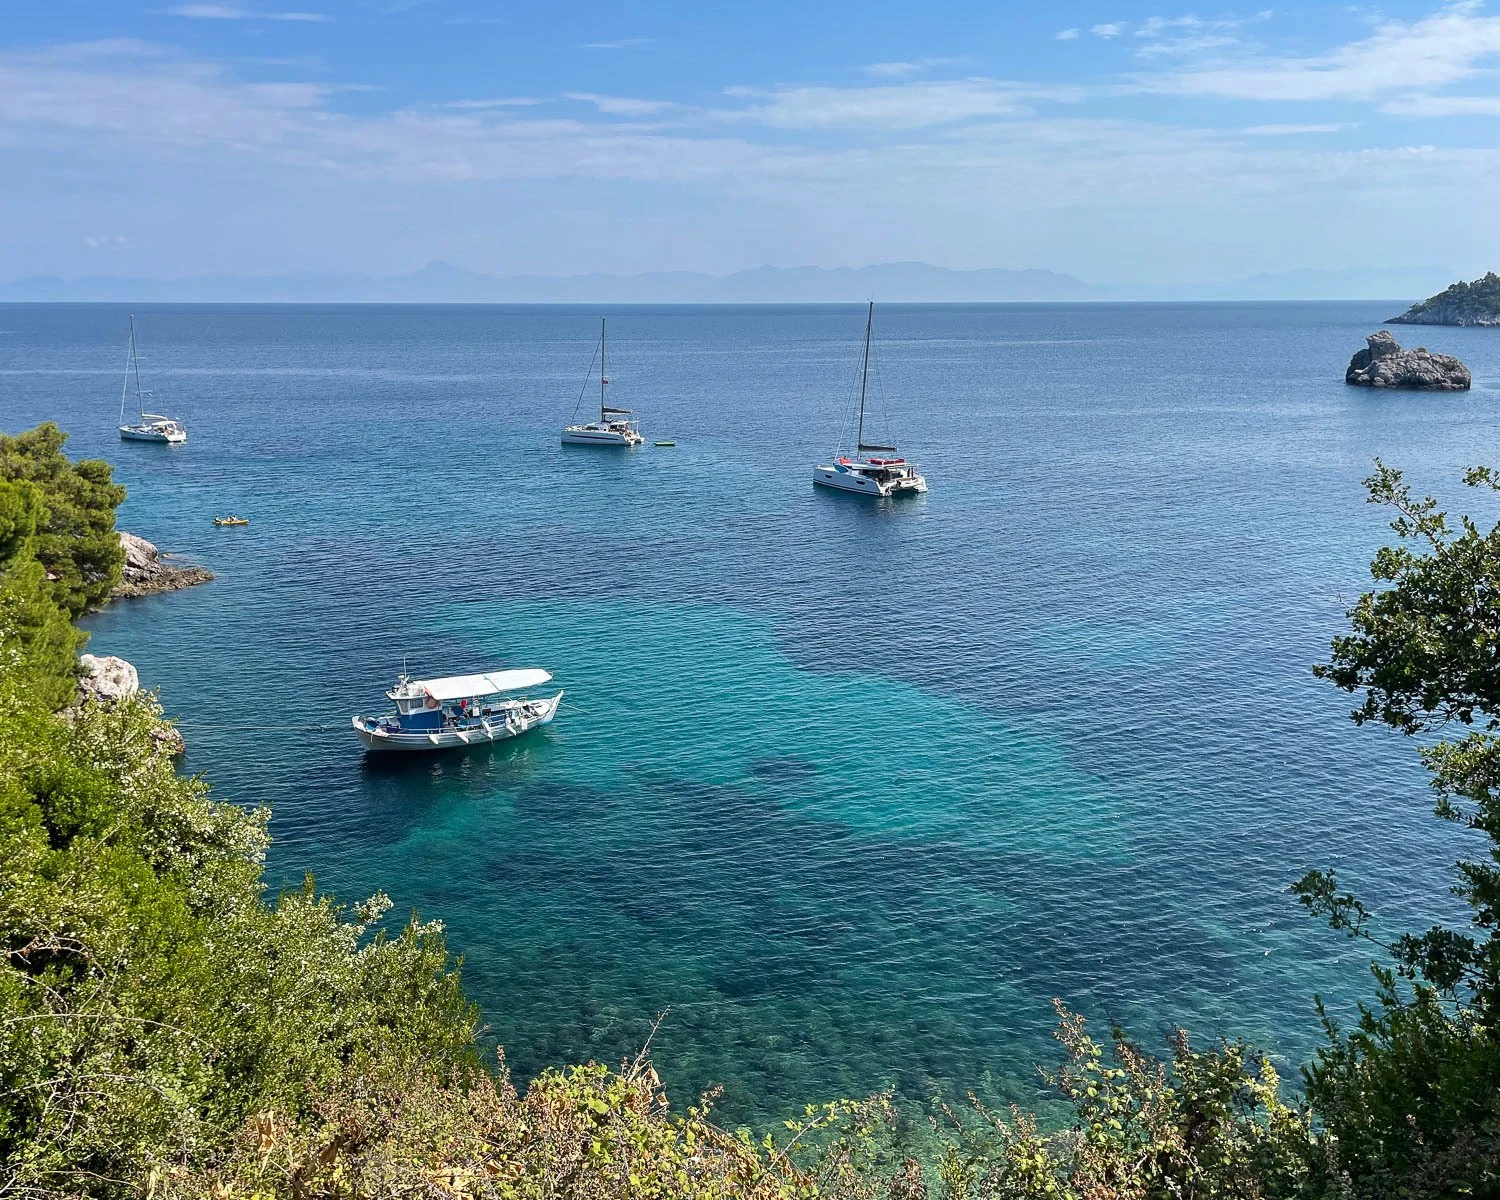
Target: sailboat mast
pixel 135 358
pixel 603 372
pixel 864 379
pixel 129 360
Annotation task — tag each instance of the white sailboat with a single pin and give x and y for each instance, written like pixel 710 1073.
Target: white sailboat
pixel 149 427
pixel 862 472
pixel 615 426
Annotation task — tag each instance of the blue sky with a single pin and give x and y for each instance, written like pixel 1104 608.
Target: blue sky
pixel 1116 141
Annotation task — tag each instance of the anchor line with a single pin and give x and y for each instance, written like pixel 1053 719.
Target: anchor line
pixel 207 726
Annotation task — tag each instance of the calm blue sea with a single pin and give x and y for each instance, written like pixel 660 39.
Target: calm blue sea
pixel 852 789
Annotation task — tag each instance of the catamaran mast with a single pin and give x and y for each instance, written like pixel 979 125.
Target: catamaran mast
pixel 603 373
pixel 864 377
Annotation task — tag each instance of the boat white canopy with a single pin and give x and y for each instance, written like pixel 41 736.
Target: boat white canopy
pixel 466 687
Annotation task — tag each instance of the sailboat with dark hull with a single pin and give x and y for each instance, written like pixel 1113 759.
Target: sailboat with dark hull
pixel 871 469
pixel 148 427
pixel 615 426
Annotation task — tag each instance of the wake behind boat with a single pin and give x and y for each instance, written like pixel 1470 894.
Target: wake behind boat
pixel 885 475
pixel 149 427
pixel 615 426
pixel 458 710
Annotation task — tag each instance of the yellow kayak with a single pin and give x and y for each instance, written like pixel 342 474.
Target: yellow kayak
pixel 231 520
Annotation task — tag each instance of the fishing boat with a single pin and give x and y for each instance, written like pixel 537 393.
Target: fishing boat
pixel 870 469
pixel 615 426
pixel 459 710
pixel 148 427
pixel 231 520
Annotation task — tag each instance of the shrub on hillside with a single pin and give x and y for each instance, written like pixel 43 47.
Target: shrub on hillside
pixel 75 538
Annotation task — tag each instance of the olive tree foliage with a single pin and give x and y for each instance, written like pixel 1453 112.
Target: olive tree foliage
pixel 75 539
pixel 1410 1096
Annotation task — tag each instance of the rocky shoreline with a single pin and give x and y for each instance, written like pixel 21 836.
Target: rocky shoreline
pixel 145 574
pixel 1384 364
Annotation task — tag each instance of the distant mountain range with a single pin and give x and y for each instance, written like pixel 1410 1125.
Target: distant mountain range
pixel 443 283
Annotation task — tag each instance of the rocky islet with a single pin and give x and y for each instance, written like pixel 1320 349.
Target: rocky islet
pixel 1384 364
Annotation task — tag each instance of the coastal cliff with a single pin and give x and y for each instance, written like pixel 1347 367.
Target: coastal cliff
pixel 1476 303
pixel 1383 364
pixel 144 573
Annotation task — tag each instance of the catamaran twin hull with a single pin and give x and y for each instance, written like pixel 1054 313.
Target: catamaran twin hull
pixel 506 721
pixel 592 435
pixel 846 480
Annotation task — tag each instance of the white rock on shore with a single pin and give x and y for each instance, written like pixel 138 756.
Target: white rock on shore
pixel 106 677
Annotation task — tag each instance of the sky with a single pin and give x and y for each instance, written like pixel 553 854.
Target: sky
pixel 1112 140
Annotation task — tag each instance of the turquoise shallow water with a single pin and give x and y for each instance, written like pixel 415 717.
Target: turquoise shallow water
pixel 853 790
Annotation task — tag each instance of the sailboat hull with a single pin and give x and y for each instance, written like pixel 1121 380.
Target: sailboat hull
pixel 130 433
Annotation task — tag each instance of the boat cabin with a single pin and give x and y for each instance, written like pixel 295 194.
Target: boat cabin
pixel 457 701
pixel 883 469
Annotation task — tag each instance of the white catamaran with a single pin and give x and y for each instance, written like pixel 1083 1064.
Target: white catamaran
pixel 150 427
pixel 615 426
pixel 860 471
pixel 459 710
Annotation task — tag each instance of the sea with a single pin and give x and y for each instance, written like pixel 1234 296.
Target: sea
pixel 842 793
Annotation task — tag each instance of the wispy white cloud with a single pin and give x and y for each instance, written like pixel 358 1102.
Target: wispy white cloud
pixel 498 102
pixel 231 12
pixel 1442 106
pixel 1184 47
pixel 917 66
pixel 1446 47
pixel 1068 35
pixel 978 136
pixel 622 106
pixel 1182 37
pixel 1293 130
pixel 630 43
pixel 104 240
pixel 897 107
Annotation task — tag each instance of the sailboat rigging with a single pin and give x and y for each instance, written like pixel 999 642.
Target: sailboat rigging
pixel 615 426
pixel 862 472
pixel 149 427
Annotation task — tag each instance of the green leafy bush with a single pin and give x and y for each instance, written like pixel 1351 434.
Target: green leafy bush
pixel 1410 1096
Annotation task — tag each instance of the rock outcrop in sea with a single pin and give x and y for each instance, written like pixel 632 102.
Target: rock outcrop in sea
pixel 1476 303
pixel 1384 364
pixel 145 574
